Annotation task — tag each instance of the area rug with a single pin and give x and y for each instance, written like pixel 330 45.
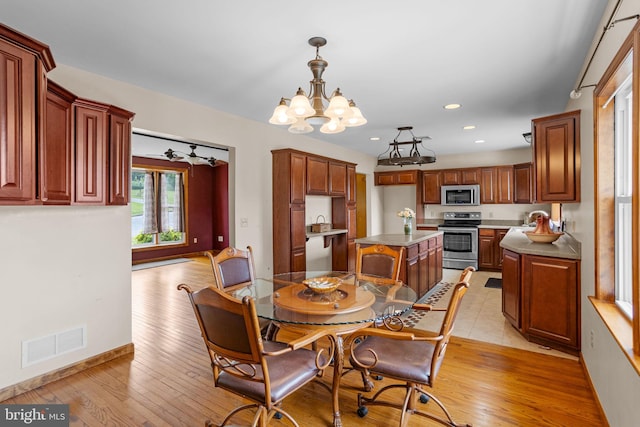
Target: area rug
pixel 158 263
pixel 432 297
pixel 493 282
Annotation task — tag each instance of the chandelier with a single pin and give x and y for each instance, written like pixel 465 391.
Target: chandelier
pixel 394 157
pixel 303 111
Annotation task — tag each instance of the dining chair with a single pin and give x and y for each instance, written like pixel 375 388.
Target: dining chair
pixel 378 263
pixel 411 357
pixel 264 372
pixel 233 267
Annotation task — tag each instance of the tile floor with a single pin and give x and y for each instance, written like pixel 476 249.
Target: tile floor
pixel 480 316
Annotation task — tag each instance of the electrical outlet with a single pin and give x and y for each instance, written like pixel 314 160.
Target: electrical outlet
pixel 592 343
pixel 244 222
pixel 220 239
pixel 195 240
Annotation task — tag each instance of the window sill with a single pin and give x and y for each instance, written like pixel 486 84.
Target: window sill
pixel 156 247
pixel 620 328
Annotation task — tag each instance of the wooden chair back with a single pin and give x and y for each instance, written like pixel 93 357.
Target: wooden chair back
pixel 233 267
pixel 378 263
pixel 229 326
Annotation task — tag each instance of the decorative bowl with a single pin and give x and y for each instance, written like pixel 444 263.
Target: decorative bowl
pixel 543 237
pixel 323 285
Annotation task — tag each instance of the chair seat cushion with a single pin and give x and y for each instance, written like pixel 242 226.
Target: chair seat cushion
pixel 402 360
pixel 287 373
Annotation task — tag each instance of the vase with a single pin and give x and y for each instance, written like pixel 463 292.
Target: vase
pixel 407 226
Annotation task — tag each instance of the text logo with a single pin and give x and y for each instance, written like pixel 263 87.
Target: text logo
pixel 34 415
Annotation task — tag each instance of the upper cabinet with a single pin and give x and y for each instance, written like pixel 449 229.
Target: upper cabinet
pixel 556 156
pixel 57 152
pixel 431 187
pixel 460 176
pixel 103 150
pixel 317 176
pixel 396 177
pixel 54 147
pixel 522 185
pixel 337 179
pixel 23 64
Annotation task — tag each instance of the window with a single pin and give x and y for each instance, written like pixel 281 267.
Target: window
pixel 617 198
pixel 623 192
pixel 157 207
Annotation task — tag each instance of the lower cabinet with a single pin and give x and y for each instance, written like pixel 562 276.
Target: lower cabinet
pixel 540 297
pixel 511 287
pixel 489 250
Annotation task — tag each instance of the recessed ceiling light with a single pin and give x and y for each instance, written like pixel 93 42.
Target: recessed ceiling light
pixel 374 138
pixel 452 106
pixel 479 141
pixel 468 127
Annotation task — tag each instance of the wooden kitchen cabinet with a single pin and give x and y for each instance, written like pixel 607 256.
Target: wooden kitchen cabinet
pixel 23 64
pixel 556 156
pixel 550 309
pixel 317 176
pixel 496 184
pixel 504 188
pixel 396 177
pixel 351 184
pixel 431 187
pixel 337 179
pixel 522 183
pixel 82 147
pixel 540 297
pixel 57 151
pixel 292 171
pixel 103 153
pixel 488 181
pixel 119 155
pixel 460 176
pixel 489 250
pixel 511 285
pixel 91 132
pixel 486 249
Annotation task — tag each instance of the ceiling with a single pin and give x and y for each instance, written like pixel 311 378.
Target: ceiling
pixel 504 61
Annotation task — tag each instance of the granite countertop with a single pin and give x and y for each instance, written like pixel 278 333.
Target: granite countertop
pixel 399 239
pixel 565 247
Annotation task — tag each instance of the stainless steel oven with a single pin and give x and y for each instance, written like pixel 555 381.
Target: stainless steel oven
pixel 460 239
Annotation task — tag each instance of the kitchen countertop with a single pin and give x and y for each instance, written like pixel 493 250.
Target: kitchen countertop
pixel 398 239
pixel 565 247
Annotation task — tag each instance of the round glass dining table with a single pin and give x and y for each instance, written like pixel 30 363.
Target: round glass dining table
pixel 287 301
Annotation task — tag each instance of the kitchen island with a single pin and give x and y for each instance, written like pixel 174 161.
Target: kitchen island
pixel 421 263
pixel 541 289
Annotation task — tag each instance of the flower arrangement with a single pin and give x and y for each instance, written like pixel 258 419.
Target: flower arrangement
pixel 407 213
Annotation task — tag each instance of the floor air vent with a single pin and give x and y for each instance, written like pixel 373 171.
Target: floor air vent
pixel 40 349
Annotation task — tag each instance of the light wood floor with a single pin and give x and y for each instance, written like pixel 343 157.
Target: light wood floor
pixel 168 382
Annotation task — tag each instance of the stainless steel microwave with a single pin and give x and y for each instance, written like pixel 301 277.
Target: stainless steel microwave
pixel 460 195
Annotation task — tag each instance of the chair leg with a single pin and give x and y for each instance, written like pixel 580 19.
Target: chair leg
pixel 448 421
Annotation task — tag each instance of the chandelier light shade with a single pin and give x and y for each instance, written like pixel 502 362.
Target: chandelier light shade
pixel 394 157
pixel 303 112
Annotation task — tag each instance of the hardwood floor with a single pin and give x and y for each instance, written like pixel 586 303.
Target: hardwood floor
pixel 168 382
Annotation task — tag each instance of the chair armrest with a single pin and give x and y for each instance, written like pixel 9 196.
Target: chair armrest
pixel 308 339
pixel 422 307
pixel 406 336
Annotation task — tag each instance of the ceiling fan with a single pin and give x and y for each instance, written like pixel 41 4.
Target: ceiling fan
pixel 192 158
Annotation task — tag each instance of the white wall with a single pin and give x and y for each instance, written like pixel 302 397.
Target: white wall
pixel 63 267
pixel 617 383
